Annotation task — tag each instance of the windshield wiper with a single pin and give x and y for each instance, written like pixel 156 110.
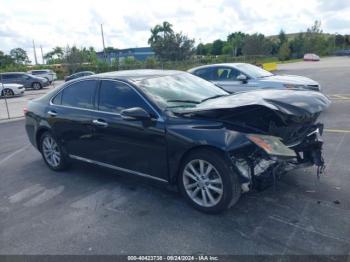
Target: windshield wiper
pixel 184 101
pixel 212 97
pixel 168 107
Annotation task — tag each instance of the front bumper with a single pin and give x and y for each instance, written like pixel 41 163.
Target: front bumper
pixel 261 169
pixel 19 91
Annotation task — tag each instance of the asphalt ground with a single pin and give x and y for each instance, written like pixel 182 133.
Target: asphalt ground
pixel 91 210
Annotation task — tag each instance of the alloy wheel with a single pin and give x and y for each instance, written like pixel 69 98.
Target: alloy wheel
pixel 51 151
pixel 7 93
pixel 203 183
pixel 36 86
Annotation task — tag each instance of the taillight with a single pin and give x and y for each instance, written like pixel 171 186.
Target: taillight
pixel 25 110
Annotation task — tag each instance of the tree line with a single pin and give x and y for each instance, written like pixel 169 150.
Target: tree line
pixel 169 45
pixel 285 47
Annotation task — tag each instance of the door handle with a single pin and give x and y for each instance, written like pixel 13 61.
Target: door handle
pixel 98 122
pixel 52 113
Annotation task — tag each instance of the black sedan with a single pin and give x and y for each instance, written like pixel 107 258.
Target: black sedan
pixel 174 127
pixel 78 75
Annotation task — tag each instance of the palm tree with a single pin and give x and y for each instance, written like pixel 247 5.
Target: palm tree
pixel 237 41
pixel 165 28
pixel 58 51
pixel 154 34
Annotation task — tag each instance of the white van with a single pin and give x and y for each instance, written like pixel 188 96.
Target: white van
pixel 45 73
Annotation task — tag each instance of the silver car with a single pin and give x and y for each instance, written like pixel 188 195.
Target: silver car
pixel 27 80
pixel 237 77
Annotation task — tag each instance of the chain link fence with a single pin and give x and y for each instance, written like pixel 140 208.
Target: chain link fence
pixel 12 107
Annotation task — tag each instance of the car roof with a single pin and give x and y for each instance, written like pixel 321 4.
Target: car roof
pixel 136 75
pixel 214 65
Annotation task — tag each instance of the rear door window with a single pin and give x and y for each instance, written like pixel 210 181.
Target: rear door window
pixel 9 76
pixel 80 94
pixel 205 73
pixel 57 99
pixel 6 77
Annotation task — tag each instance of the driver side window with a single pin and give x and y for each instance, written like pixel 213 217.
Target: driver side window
pixel 115 97
pixel 226 74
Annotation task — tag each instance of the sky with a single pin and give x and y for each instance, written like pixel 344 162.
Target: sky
pixel 127 23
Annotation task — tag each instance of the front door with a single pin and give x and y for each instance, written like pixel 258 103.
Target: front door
pixel 130 145
pixel 226 78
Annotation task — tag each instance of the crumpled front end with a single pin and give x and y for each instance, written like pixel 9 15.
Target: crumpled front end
pixel 266 158
pixel 280 127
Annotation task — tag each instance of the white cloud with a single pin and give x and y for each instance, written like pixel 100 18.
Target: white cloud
pixel 126 23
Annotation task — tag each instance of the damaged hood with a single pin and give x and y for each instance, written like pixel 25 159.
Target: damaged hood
pixel 291 102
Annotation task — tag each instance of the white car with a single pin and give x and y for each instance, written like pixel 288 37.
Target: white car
pixel 45 73
pixel 311 57
pixel 8 90
pixel 238 77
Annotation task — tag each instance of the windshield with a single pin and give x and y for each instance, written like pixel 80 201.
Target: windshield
pixel 253 71
pixel 179 91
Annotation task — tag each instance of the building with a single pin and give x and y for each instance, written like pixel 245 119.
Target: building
pixel 138 53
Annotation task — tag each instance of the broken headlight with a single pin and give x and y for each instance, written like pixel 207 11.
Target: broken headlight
pixel 272 145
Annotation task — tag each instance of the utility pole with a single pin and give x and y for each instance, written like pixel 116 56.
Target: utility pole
pixel 103 43
pixel 35 58
pixel 42 55
pixel 7 107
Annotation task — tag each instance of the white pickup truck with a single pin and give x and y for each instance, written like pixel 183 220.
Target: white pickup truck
pixel 45 73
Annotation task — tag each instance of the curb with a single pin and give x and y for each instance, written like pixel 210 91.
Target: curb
pixel 3 121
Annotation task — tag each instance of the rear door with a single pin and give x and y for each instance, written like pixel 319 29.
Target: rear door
pixel 130 145
pixel 24 80
pixel 5 78
pixel 70 115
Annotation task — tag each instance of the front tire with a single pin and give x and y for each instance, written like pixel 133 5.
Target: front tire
pixel 207 182
pixel 7 92
pixel 53 153
pixel 36 86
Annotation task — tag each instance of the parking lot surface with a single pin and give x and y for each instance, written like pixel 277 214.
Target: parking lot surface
pixel 89 210
pixel 16 104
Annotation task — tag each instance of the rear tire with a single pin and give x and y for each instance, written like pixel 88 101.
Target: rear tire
pixel 36 86
pixel 7 92
pixel 207 182
pixel 53 153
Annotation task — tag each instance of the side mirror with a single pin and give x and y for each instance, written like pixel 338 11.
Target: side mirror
pixel 242 78
pixel 135 113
